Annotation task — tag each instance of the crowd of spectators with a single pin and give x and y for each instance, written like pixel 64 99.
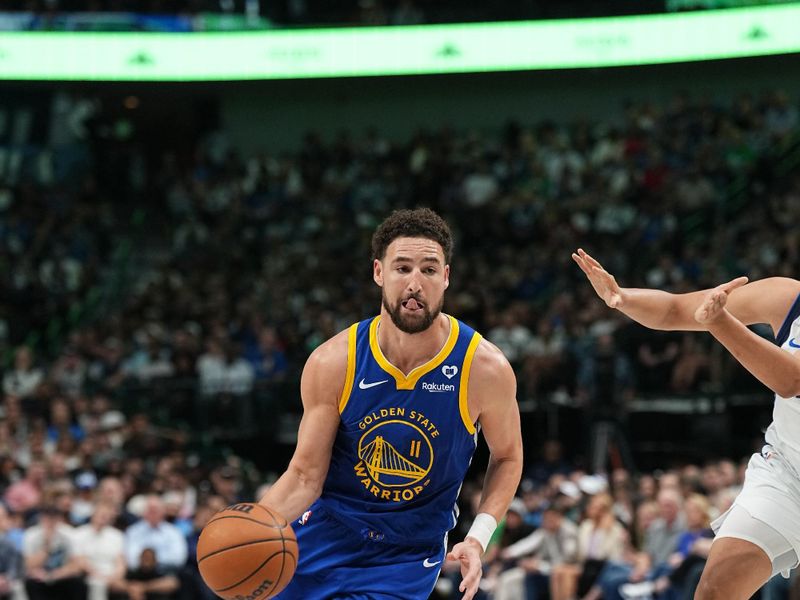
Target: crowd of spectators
pixel 571 535
pixel 255 260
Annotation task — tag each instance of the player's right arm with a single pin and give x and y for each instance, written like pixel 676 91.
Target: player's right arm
pixel 320 387
pixel 764 301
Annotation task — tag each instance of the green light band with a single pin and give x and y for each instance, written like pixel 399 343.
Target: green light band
pixel 527 45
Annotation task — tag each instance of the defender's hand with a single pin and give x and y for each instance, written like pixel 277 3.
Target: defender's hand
pixel 468 553
pixel 714 303
pixel 602 281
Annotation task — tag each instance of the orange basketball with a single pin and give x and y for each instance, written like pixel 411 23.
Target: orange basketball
pixel 247 552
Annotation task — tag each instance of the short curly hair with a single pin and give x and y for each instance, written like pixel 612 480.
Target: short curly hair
pixel 420 223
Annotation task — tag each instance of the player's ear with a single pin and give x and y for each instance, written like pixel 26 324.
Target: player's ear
pixel 377 272
pixel 446 276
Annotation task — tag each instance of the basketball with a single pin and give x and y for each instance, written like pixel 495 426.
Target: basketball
pixel 247 551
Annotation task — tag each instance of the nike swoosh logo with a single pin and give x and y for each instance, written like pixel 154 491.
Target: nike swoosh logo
pixel 427 563
pixel 793 344
pixel 365 386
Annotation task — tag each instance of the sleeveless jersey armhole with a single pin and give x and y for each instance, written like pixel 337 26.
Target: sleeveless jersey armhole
pixel 463 391
pixel 351 367
pixel 786 328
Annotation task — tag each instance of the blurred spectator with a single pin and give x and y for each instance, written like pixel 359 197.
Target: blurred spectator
pixel 23 380
pixel 150 580
pixel 686 563
pixel 53 569
pixel 69 371
pixel 221 370
pixel 555 543
pixel 512 529
pixel 155 533
pixel 660 540
pixel 10 559
pixel 267 358
pixel 26 494
pixel 101 548
pixel 62 422
pixel 600 539
pixel 83 504
pixel 225 484
pixel 110 491
pixel 511 336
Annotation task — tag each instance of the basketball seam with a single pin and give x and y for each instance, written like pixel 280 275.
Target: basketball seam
pixel 215 552
pixel 283 554
pixel 246 519
pixel 271 514
pixel 249 575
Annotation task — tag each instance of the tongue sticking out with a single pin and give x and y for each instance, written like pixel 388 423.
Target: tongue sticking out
pixel 412 304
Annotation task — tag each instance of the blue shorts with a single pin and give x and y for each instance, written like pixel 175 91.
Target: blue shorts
pixel 338 563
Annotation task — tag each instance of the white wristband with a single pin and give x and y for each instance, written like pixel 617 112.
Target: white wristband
pixel 482 529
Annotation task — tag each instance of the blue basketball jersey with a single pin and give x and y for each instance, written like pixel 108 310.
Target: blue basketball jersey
pixel 404 442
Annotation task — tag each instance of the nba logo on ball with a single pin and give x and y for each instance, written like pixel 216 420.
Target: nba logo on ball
pixel 247 552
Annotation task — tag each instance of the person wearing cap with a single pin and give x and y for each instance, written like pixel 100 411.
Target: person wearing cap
pixel 83 502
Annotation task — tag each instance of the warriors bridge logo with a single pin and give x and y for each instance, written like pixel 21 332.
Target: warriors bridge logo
pixel 396 454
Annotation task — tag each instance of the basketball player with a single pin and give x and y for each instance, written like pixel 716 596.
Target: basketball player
pixel 392 406
pixel 760 535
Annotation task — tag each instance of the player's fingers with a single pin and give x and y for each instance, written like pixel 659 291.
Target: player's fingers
pixel 733 284
pixel 590 259
pixel 593 261
pixel 581 263
pixel 470 581
pixel 451 557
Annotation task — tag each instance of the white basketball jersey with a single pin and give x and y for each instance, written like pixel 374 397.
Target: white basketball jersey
pixel 784 431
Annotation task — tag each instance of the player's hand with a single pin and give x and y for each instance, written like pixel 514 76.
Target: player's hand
pixel 602 281
pixel 468 553
pixel 714 303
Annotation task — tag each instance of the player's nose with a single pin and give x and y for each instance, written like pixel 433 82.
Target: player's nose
pixel 415 281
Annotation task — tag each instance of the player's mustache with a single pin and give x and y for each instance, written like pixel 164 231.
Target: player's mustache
pixel 416 297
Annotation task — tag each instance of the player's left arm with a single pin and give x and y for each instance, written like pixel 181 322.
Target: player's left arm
pixel 493 386
pixel 492 394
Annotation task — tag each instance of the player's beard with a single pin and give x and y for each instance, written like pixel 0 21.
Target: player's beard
pixel 406 323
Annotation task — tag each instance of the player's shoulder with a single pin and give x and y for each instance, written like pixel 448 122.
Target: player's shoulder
pixel 767 300
pixel 330 357
pixel 490 365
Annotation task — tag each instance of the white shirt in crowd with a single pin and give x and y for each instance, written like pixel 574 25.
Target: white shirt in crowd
pixel 102 549
pixel 166 539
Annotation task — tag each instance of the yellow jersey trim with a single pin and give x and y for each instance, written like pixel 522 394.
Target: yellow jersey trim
pixel 463 388
pixel 403 381
pixel 351 367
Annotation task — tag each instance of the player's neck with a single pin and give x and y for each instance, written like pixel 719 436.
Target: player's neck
pixel 408 351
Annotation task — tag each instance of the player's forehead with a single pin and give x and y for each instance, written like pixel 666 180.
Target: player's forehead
pixel 415 249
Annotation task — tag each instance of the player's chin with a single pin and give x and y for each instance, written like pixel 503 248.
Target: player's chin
pixel 414 323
